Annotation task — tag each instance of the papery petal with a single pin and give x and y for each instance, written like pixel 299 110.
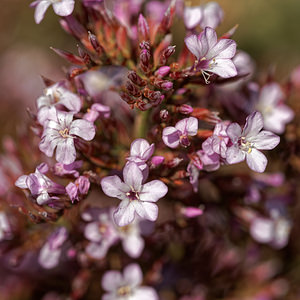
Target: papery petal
pixel 224 49
pixel 193 44
pixel 133 176
pixel 125 213
pixel 49 258
pixel 111 281
pixel 70 100
pixel 146 210
pixel 133 245
pixel 64 7
pixel 170 137
pixel 142 149
pixel 153 191
pixel 65 151
pixel 112 186
pixel 212 15
pixel 133 275
pixel 270 94
pixel 97 250
pixel 40 10
pixel 83 128
pixel 21 182
pixel 234 132
pixel 43 198
pixel 49 143
pixel 254 124
pixel 145 293
pixel 265 140
pixel 208 39
pixel 234 155
pixel 224 68
pixel 43 101
pixel 192 16
pixel 92 233
pixel 256 161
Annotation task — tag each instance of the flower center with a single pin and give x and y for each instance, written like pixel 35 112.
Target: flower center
pixel 184 140
pixel 133 195
pixel 245 145
pixel 102 228
pixel 124 290
pixel 64 133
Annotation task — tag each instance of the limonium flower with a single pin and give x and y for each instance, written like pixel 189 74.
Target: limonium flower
pixel 246 143
pixel 127 285
pixel 61 7
pixel 40 185
pixel 270 103
pixel 212 55
pixel 60 132
pixel 136 198
pixel 173 136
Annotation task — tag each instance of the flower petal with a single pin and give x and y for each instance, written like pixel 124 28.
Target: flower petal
pixel 153 191
pixel 254 124
pixel 124 214
pixel 224 68
pixel 65 151
pixel 170 137
pixel 256 161
pixel 234 132
pixel 266 140
pixel 63 7
pixel 40 10
pixel 133 245
pixel 83 128
pixel 133 275
pixel 192 16
pixel 224 48
pixel 133 176
pixel 146 210
pixel 193 44
pixel 111 281
pixel 112 186
pixel 234 155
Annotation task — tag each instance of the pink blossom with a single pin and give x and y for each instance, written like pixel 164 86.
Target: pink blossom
pixel 246 143
pixel 173 136
pixel 61 7
pixel 127 285
pixel 78 188
pixel 62 170
pixel 56 95
pixel 51 251
pixel 136 198
pixel 60 132
pixel 191 212
pixel 97 110
pixel 40 185
pixel 275 113
pixel 213 55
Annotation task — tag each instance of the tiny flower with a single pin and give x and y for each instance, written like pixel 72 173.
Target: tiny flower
pixel 51 251
pixel 60 132
pixel 62 170
pixel 136 198
pixel 61 7
pixel 213 55
pixel 173 136
pixel 97 110
pixel 191 212
pixel 40 185
pixel 127 285
pixel 275 113
pixel 79 187
pixel 192 16
pixel 217 143
pixel 246 143
pixel 56 95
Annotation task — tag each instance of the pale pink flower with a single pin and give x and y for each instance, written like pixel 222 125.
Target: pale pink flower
pixel 61 7
pixel 97 110
pixel 60 132
pixel 137 198
pixel 173 136
pixel 56 95
pixel 62 170
pixel 78 188
pixel 51 251
pixel 213 55
pixel 40 186
pixel 127 285
pixel 275 113
pixel 246 143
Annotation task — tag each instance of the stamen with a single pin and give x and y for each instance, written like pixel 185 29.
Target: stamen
pixel 64 133
pixel 124 290
pixel 206 76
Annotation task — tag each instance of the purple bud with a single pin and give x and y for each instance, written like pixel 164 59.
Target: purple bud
pixel 127 98
pixel 136 79
pixel 166 54
pixel 184 140
pixel 191 212
pixel 83 185
pixel 94 42
pixel 163 71
pixel 166 85
pixel 132 89
pixel 145 58
pixel 185 109
pixel 145 46
pixel 143 28
pixel 157 160
pixel 164 115
pixel 85 56
pixel 72 191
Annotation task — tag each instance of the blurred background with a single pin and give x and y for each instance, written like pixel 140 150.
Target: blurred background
pixel 268 31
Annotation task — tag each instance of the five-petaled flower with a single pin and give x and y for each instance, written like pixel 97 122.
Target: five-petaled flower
pixel 213 55
pixel 60 131
pixel 137 198
pixel 173 136
pixel 127 285
pixel 246 143
pixel 61 7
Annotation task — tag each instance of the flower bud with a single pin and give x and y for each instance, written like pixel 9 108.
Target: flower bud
pixel 143 28
pixel 136 79
pixel 145 58
pixel 166 53
pixel 185 109
pixel 164 84
pixel 94 42
pixel 132 89
pixel 156 161
pixel 191 212
pixel 145 46
pixel 163 71
pixel 127 98
pixel 164 115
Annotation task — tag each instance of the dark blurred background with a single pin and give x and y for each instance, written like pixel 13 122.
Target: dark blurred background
pixel 268 31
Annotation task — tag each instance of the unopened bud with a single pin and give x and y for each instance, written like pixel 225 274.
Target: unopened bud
pixel 191 212
pixel 127 98
pixel 145 46
pixel 132 89
pixel 185 109
pixel 145 58
pixel 156 161
pixel 163 71
pixel 164 115
pixel 166 53
pixel 164 84
pixel 143 104
pixel 94 42
pixel 143 28
pixel 184 141
pixel 136 79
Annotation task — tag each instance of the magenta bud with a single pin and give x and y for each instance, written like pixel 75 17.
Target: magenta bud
pixel 185 109
pixel 157 160
pixel 163 71
pixel 164 115
pixel 83 185
pixel 167 85
pixel 191 212
pixel 143 28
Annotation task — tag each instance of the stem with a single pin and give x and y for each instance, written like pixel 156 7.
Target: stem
pixel 141 124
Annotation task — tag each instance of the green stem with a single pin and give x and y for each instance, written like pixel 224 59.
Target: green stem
pixel 141 124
